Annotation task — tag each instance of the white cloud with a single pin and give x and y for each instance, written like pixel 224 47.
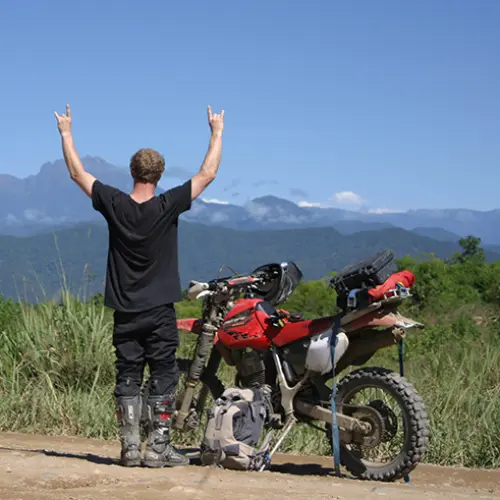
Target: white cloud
pixel 219 217
pixel 257 210
pixel 11 219
pixel 381 211
pixel 348 198
pixel 32 214
pixel 35 215
pixel 215 201
pixel 197 208
pixel 311 204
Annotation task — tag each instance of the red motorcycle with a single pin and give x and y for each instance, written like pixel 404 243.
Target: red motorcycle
pixel 383 435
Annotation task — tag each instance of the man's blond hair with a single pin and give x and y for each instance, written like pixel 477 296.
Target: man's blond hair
pixel 147 166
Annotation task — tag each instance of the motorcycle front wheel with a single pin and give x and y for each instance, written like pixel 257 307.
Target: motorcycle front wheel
pixel 403 424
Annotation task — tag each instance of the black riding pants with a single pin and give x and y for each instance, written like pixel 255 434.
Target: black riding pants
pixel 147 337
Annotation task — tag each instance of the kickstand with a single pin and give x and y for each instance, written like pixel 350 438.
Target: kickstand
pixel 284 433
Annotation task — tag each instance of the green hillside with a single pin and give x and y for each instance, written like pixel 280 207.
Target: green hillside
pixel 33 267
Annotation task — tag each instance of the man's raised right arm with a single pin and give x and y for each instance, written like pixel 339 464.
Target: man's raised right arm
pixel 75 167
pixel 210 166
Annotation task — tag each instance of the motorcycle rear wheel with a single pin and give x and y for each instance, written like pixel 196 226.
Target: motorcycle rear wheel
pixel 414 416
pixel 415 424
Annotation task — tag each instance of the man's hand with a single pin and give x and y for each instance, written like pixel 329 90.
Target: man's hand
pixel 216 121
pixel 210 165
pixel 64 122
pixel 73 162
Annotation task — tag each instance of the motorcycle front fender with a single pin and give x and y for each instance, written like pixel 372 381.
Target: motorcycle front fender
pixel 192 325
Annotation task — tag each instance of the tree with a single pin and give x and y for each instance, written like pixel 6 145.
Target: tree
pixel 471 251
pixel 313 298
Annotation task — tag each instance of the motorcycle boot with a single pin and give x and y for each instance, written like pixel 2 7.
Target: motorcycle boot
pixel 128 414
pixel 159 452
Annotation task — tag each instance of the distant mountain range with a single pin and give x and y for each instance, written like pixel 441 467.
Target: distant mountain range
pixel 50 233
pixel 34 267
pixel 50 201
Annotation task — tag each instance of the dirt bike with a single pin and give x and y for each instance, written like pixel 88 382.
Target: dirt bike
pixel 241 325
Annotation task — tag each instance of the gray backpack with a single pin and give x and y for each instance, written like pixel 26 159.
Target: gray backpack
pixel 234 428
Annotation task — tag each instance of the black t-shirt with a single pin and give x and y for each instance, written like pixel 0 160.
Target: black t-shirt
pixel 142 269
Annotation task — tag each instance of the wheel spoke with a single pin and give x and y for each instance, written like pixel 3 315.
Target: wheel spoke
pixel 401 441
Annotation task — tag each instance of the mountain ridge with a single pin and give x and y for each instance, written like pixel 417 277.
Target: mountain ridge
pixel 49 199
pixel 32 267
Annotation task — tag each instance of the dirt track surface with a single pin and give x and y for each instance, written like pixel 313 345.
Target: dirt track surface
pixel 56 468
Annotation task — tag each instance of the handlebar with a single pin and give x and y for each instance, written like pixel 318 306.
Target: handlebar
pixel 224 284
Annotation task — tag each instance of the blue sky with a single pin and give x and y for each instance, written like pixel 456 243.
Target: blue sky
pixel 392 104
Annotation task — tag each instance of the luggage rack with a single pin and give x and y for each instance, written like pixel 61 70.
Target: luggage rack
pixel 399 293
pixel 392 297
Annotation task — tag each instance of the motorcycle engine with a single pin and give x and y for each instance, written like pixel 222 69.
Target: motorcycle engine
pixel 294 359
pixel 250 367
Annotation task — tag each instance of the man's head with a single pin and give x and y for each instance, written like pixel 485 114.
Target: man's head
pixel 147 166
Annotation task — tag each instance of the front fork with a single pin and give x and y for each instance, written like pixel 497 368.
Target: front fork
pixel 204 350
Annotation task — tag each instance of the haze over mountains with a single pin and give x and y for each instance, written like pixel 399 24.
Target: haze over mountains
pixel 50 200
pixel 212 234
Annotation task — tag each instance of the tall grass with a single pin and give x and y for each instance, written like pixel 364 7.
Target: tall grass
pixel 57 376
pixel 56 369
pixel 461 386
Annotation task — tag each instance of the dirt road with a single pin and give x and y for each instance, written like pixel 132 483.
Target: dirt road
pixel 56 468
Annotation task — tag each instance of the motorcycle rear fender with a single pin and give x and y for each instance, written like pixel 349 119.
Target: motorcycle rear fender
pixel 381 318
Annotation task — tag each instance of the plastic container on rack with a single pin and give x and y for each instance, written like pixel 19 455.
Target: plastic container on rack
pixel 368 273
